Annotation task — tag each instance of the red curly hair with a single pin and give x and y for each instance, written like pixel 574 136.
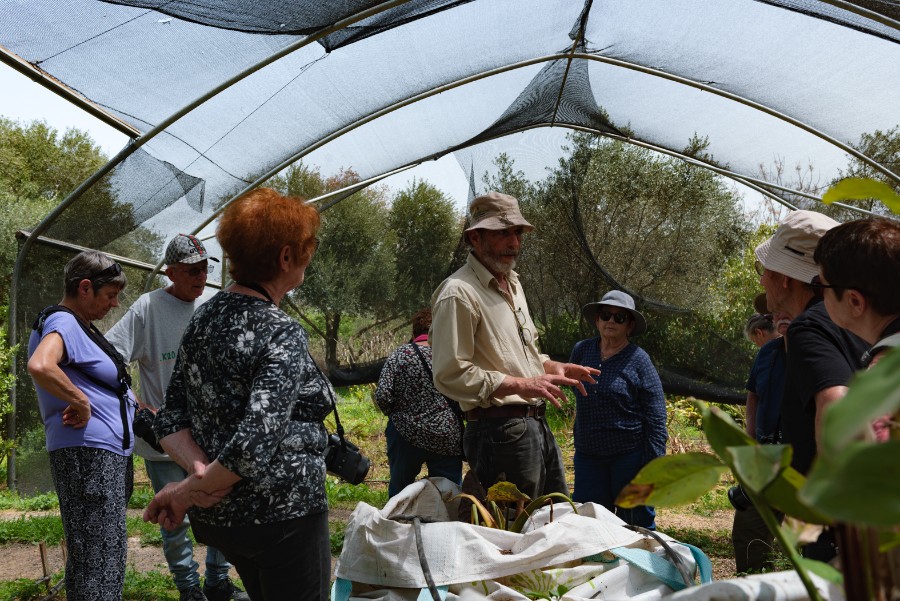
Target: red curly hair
pixel 255 227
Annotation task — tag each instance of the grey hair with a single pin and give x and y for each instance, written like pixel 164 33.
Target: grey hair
pixel 758 322
pixel 86 265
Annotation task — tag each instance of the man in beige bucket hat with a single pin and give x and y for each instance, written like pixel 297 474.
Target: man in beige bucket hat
pixel 821 357
pixel 485 356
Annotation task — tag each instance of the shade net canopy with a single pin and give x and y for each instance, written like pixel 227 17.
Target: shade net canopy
pixel 374 87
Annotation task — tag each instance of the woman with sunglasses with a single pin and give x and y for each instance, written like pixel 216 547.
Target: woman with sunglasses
pixel 87 408
pixel 620 425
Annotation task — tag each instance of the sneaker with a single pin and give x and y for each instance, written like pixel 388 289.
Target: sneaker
pixel 192 594
pixel 225 591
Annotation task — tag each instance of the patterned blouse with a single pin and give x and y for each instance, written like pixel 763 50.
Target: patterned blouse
pixel 246 386
pixel 423 416
pixel 625 410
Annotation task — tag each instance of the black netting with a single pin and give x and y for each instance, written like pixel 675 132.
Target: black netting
pixel 143 61
pixel 834 14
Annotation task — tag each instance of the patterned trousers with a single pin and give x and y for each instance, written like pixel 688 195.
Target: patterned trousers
pixel 93 486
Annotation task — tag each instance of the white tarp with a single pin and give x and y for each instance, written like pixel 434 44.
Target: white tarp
pixel 560 559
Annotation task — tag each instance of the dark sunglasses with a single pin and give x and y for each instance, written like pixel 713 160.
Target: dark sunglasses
pixel 619 318
pixel 112 271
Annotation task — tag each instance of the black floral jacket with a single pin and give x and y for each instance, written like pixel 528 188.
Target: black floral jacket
pixel 247 388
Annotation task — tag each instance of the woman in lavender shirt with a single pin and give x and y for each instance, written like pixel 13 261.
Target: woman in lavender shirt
pixel 87 409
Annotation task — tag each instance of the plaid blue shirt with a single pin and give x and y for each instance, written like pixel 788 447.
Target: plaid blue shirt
pixel 625 409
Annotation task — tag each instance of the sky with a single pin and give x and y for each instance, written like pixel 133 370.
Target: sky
pixel 23 100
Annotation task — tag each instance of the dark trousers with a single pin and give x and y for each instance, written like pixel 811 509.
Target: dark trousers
pixel 599 479
pixel 752 541
pixel 520 450
pixel 289 560
pixel 93 486
pixel 406 460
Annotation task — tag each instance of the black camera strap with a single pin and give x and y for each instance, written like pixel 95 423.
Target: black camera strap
pixel 337 419
pixel 106 346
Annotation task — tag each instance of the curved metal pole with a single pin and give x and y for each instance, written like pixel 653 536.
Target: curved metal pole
pixel 128 151
pixel 863 12
pixel 520 64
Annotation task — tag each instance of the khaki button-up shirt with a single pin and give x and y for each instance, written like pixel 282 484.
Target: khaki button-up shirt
pixel 479 335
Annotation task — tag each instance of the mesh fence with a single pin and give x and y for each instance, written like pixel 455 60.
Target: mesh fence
pixel 761 82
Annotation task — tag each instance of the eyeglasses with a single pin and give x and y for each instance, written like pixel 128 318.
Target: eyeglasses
pixel 525 333
pixel 619 318
pixel 195 271
pixel 759 268
pixel 817 284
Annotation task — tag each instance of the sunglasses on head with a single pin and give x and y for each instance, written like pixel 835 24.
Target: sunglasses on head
pixel 619 318
pixel 111 271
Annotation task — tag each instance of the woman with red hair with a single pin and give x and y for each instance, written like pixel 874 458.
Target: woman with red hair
pixel 244 409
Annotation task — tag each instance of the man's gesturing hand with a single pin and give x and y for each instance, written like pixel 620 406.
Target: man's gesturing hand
pixel 573 371
pixel 546 386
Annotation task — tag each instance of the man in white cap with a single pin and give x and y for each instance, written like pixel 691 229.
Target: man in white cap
pixel 485 357
pixel 821 357
pixel 150 334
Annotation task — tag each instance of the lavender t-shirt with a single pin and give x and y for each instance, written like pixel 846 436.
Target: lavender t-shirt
pixel 104 428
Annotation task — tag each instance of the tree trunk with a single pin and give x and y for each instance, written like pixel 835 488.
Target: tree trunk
pixel 332 326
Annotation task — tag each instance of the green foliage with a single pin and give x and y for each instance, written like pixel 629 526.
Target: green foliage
pixel 39 502
pixel 336 532
pixel 149 586
pixel 341 494
pixel 353 271
pixel 426 229
pixel 716 544
pixel 34 529
pixel 24 589
pixel 141 496
pixel 672 480
pixel 861 188
pixel 884 148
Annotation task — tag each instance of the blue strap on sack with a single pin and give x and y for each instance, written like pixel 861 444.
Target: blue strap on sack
pixel 663 569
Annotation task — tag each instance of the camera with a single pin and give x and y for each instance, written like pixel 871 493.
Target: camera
pixel 143 427
pixel 344 460
pixel 738 498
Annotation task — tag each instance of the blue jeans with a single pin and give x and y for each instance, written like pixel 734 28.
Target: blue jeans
pixel 405 461
pixel 599 479
pixel 520 450
pixel 177 545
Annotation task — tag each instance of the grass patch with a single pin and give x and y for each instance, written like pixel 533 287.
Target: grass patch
pixel 23 589
pixel 336 531
pixel 715 543
pixel 341 494
pixel 39 502
pixel 47 528
pixel 149 586
pixel 141 496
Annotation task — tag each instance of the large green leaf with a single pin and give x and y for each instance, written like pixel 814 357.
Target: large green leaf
pixel 721 431
pixel 783 494
pixel 756 466
pixel 862 488
pixel 859 188
pixel 672 480
pixel 873 393
pixel 820 568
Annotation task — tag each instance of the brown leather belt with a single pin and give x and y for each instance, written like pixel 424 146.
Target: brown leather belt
pixel 506 411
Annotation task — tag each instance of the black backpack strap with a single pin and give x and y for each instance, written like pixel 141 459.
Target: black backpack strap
pixel 106 346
